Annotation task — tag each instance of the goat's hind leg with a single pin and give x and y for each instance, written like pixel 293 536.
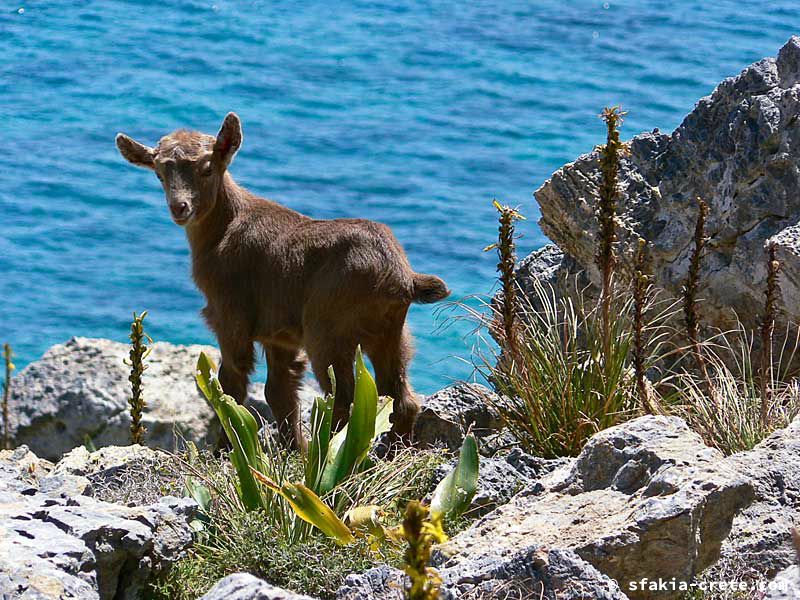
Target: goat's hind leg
pixel 339 354
pixel 390 354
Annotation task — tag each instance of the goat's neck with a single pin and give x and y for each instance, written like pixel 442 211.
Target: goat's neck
pixel 208 233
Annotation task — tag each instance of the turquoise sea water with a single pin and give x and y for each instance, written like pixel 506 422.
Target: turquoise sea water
pixel 413 113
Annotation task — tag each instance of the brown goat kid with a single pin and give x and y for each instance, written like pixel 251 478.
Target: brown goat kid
pixel 288 282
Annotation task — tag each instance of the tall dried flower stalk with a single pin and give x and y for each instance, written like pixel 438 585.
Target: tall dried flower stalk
pixel 606 258
pixel 767 330
pixel 690 289
pixel 7 355
pixel 505 247
pixel 641 287
pixel 420 534
pixel 138 353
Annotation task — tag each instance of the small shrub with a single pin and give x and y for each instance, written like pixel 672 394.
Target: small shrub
pixel 272 543
pixel 252 542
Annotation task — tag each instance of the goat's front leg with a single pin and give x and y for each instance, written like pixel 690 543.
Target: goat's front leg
pixel 285 373
pixel 238 359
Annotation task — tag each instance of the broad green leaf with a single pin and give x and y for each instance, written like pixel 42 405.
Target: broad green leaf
pixel 321 421
pixel 383 422
pixel 241 429
pixel 454 493
pixel 206 377
pixel 360 430
pixel 308 506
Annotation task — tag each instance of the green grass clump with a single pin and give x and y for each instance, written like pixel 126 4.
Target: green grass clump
pixel 726 402
pixel 572 378
pixel 272 543
pixel 250 541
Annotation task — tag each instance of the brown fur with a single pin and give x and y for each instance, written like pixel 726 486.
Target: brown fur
pixel 288 282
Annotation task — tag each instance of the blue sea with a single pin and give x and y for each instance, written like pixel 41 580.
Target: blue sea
pixel 413 113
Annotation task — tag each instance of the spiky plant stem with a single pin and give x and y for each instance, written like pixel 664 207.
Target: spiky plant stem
pixel 767 330
pixel 641 287
pixel 606 258
pixel 692 283
pixel 506 265
pixel 7 355
pixel 138 352
pixel 425 581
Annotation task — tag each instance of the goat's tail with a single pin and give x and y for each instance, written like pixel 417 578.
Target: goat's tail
pixel 429 288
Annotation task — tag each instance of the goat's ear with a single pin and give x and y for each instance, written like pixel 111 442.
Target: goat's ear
pixel 134 152
pixel 229 139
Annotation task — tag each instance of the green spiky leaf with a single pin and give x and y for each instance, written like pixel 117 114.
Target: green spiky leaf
pixel 454 493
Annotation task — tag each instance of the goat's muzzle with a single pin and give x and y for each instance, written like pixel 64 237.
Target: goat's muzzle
pixel 181 212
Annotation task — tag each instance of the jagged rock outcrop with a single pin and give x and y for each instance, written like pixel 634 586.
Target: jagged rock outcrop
pixel 739 150
pixel 57 544
pixel 79 391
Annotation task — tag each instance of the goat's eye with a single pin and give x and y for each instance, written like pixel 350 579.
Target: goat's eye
pixel 206 170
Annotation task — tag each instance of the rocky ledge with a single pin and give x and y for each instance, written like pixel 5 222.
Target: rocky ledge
pixel 644 500
pixel 57 541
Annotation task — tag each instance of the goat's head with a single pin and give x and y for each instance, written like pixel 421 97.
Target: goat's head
pixel 190 166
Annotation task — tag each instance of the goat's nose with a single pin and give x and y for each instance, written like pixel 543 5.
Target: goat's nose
pixel 181 210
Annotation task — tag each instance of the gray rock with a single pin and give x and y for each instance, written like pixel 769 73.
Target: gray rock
pixel 79 390
pixel 739 149
pixel 786 586
pixel 379 583
pixel 551 575
pixel 644 499
pixel 57 545
pixel 243 586
pixel 760 536
pixel 449 413
pixel 556 270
